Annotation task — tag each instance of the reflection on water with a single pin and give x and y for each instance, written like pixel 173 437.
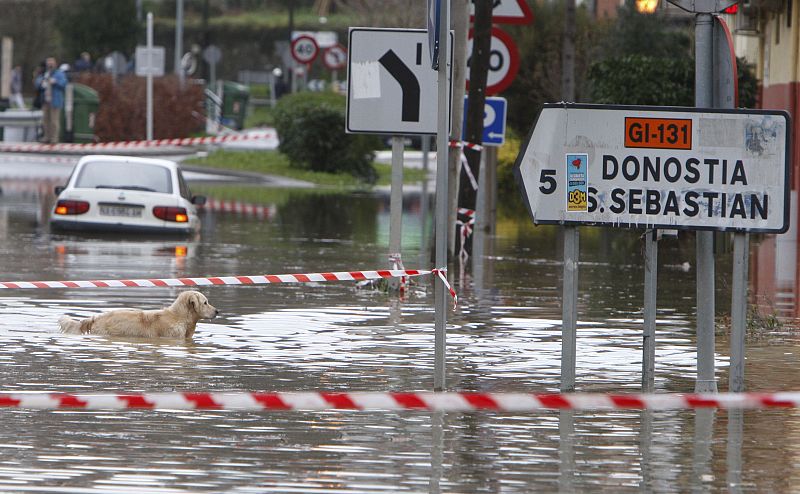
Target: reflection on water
pixel 505 336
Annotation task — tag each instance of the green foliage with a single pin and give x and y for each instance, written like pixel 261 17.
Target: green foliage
pixel 97 26
pixel 508 192
pixel 647 60
pixel 646 80
pixel 311 131
pixel 651 35
pixel 748 84
pixel 539 78
pixel 643 80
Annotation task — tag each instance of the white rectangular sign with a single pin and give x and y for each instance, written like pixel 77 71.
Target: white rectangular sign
pixel 142 61
pixel 391 88
pixel 658 167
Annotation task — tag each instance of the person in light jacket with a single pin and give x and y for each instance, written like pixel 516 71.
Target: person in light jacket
pixel 51 85
pixel 16 88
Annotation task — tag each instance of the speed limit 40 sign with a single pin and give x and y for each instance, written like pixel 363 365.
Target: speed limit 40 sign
pixel 304 49
pixel 503 61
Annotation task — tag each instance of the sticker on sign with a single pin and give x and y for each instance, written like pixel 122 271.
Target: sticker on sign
pixel 658 167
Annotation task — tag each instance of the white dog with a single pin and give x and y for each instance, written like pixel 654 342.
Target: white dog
pixel 176 321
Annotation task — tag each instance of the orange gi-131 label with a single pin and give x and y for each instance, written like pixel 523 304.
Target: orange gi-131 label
pixel 658 133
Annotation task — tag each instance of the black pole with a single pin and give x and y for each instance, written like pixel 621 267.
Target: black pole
pixel 478 75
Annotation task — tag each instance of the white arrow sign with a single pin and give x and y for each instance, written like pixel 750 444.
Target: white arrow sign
pixel 391 88
pixel 658 168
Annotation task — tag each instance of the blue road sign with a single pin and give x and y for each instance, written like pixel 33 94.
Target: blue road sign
pixel 494 121
pixel 434 15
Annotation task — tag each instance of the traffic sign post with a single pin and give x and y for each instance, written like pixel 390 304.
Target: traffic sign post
pixel 304 49
pixel 657 167
pixel 508 12
pixel 391 89
pixel 335 58
pixel 494 121
pixel 503 61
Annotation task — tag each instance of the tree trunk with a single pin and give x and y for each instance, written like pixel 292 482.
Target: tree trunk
pixel 568 53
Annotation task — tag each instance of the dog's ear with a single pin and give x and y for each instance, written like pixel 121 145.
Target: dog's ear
pixel 195 301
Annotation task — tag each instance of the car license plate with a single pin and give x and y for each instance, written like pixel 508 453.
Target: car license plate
pixel 121 211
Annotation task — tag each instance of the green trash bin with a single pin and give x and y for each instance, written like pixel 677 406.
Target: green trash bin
pixel 234 104
pixel 78 117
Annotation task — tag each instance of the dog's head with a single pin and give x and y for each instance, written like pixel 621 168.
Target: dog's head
pixel 196 303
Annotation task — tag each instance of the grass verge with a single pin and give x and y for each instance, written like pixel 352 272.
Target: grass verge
pixel 275 163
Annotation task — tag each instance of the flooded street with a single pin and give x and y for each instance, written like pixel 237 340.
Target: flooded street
pixel 504 336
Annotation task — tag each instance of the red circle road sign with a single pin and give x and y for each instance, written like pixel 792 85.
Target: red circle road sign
pixel 304 49
pixel 503 61
pixel 335 57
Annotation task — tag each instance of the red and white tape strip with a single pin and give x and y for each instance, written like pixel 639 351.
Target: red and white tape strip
pixel 238 207
pixel 465 144
pixel 100 146
pixel 368 401
pixel 262 279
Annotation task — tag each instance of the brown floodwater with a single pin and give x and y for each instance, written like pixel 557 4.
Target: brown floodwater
pixel 504 336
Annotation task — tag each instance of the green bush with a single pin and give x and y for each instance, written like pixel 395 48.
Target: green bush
pixel 311 126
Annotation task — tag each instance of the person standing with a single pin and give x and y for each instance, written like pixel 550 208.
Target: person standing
pixel 16 88
pixel 84 63
pixel 51 85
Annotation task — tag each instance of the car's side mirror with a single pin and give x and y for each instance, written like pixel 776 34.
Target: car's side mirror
pixel 199 200
pixel 58 189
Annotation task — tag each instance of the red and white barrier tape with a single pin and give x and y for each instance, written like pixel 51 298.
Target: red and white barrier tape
pixel 396 261
pixel 466 212
pixel 238 207
pixel 369 401
pixel 465 231
pixel 99 146
pixel 471 176
pixel 237 280
pixel 18 158
pixel 465 144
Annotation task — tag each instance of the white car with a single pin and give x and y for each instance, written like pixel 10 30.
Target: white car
pixel 125 193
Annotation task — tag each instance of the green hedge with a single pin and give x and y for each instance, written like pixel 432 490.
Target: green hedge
pixel 311 126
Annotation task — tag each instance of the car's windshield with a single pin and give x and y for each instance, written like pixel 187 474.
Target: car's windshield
pixel 128 176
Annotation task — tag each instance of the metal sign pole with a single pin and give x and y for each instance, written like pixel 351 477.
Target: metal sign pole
pixel 704 80
pixel 442 138
pixel 741 253
pixel 650 294
pixel 569 309
pixel 149 76
pixel 396 204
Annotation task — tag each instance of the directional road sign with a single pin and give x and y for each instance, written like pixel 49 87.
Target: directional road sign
pixel 658 167
pixel 494 121
pixel 503 61
pixel 143 68
pixel 391 88
pixel 335 57
pixel 304 49
pixel 507 12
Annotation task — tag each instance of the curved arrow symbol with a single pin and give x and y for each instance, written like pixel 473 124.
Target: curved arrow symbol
pixel 408 84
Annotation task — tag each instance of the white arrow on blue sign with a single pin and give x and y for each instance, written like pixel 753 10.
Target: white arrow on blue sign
pixel 494 121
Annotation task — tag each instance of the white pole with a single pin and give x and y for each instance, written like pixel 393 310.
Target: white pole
pixel 396 204
pixel 442 138
pixel 149 76
pixel 179 40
